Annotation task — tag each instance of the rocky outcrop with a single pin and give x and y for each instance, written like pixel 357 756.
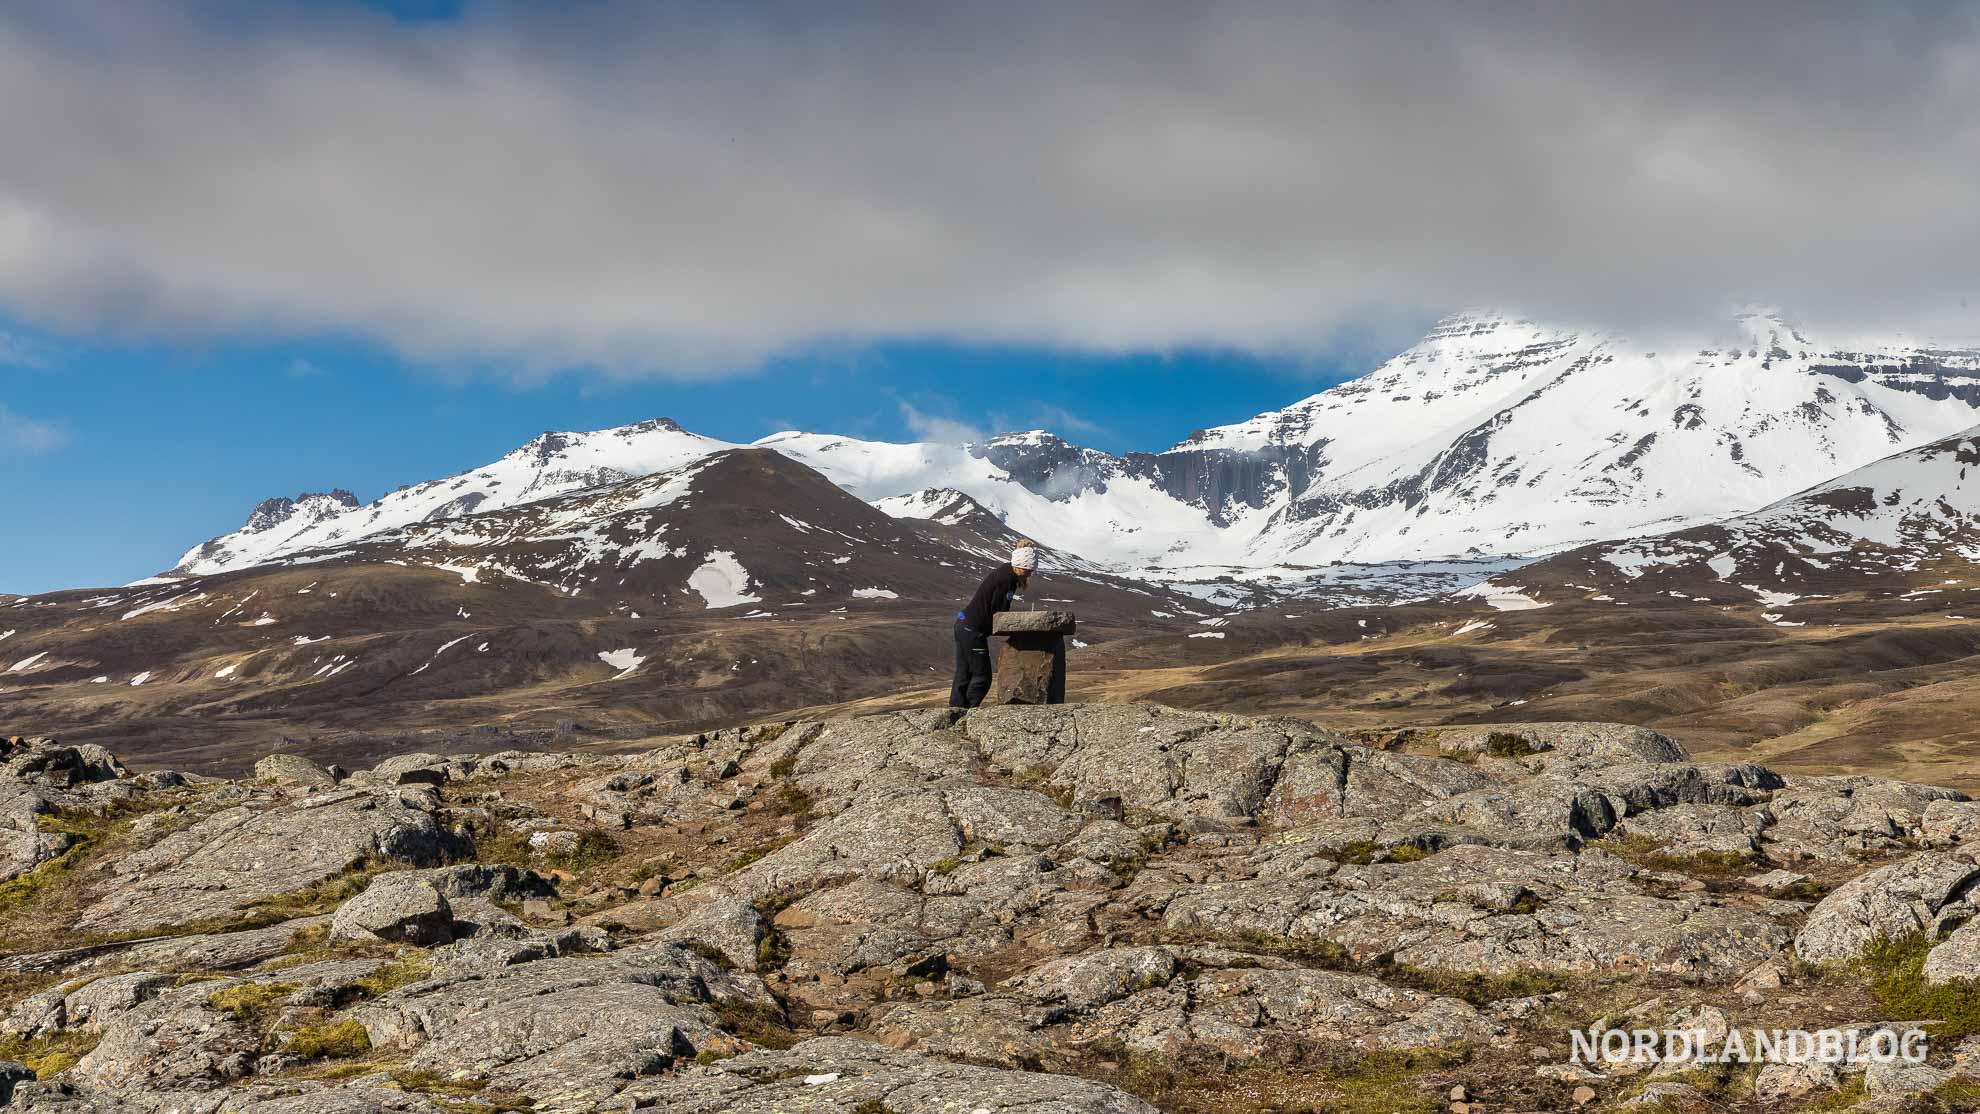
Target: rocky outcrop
pixel 1017 908
pixel 263 847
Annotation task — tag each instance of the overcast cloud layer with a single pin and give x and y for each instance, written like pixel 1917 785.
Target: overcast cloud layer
pixel 692 189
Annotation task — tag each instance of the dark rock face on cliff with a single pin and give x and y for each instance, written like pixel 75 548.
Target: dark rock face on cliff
pixel 1091 909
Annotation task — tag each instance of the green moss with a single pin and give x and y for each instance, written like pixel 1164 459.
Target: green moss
pixel 433 1083
pixel 335 1040
pixel 250 1002
pixel 784 767
pixel 1407 853
pixel 1845 1097
pixel 36 905
pixel 709 952
pixel 1652 855
pixel 310 901
pixel 392 976
pixel 1477 989
pixel 772 951
pixel 1315 951
pixel 1358 852
pixel 51 1055
pixel 1386 1083
pixel 1506 744
pixel 1956 1094
pixel 1896 967
pixel 794 802
pixel 946 865
pixel 595 847
pixel 759 1025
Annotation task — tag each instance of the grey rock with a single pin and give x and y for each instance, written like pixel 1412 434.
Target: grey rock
pixel 1955 958
pixel 1950 823
pixel 839 1074
pixel 228 861
pixel 1897 1079
pixel 1792 1080
pixel 292 769
pixel 567 1031
pixel 729 926
pixel 1912 895
pixel 12 1074
pixel 399 908
pixel 1033 622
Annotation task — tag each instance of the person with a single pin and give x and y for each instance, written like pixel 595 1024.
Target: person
pixel 972 679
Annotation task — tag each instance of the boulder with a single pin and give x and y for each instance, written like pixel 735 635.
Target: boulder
pixel 1956 958
pixel 399 908
pixel 1033 622
pixel 227 862
pixel 1913 895
pixel 12 1074
pixel 292 769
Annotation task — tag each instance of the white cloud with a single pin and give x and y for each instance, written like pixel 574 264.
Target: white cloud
pixel 17 351
pixel 931 427
pixel 688 188
pixel 20 434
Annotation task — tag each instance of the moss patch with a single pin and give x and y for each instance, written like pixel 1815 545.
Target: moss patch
pixel 51 1055
pixel 1476 989
pixel 335 1040
pixel 250 1003
pixel 1897 979
pixel 1506 744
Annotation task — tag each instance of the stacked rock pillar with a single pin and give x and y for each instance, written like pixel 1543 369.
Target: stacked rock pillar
pixel 1031 668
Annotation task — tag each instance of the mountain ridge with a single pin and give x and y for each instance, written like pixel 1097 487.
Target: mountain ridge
pixel 1493 436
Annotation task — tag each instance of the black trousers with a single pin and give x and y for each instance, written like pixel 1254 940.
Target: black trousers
pixel 972 680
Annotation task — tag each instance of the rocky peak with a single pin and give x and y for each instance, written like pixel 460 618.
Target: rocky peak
pixel 1049 464
pixel 313 506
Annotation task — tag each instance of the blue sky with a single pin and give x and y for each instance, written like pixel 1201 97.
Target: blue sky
pixel 125 454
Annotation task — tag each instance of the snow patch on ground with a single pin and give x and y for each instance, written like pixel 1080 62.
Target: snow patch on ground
pixel 172 604
pixel 721 581
pixel 28 662
pixel 469 574
pixel 625 661
pixel 1208 634
pixel 874 594
pixel 1508 598
pixel 226 673
pixel 140 678
pixel 1475 624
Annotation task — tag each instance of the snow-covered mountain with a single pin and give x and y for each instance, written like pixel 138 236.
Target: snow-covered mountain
pixel 1491 436
pixel 1897 518
pixel 1505 436
pixel 553 464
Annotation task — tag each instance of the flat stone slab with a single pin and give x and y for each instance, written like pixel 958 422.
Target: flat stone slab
pixel 1032 622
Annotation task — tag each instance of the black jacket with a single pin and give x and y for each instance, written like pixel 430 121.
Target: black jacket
pixel 992 596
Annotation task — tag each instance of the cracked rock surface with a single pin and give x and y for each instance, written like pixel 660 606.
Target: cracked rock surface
pixel 1099 908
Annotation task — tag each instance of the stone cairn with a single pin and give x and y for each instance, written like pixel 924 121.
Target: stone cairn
pixel 1031 668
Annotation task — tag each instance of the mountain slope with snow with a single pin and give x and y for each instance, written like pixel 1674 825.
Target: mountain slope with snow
pixel 552 464
pixel 1878 527
pixel 1493 436
pixel 1504 436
